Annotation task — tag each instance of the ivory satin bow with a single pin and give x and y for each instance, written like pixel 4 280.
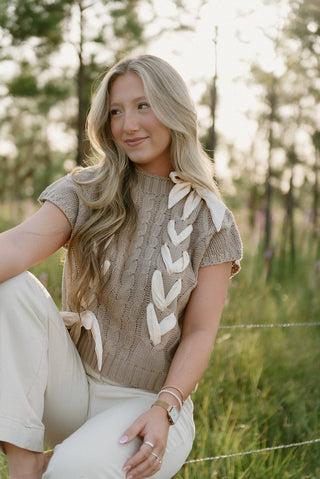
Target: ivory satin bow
pixel 87 319
pixel 183 188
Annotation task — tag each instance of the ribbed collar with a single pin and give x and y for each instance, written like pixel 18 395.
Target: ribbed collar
pixel 153 184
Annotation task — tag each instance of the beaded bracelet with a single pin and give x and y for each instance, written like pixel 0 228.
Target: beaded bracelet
pixel 177 389
pixel 172 394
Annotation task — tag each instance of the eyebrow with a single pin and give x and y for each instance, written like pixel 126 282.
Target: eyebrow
pixel 139 98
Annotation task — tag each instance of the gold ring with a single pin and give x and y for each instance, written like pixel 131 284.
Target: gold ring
pixel 157 457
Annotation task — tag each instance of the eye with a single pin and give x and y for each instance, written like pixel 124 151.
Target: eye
pixel 143 106
pixel 115 111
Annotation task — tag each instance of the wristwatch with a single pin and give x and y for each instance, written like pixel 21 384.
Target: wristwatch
pixel 172 411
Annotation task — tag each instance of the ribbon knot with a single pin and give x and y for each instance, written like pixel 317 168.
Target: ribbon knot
pixel 182 188
pixel 87 319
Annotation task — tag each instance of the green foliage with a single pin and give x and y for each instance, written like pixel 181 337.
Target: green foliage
pixel 34 166
pixel 25 85
pixel 40 95
pixel 305 24
pixel 34 18
pixel 316 140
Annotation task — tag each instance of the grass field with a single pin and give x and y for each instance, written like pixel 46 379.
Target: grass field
pixel 262 387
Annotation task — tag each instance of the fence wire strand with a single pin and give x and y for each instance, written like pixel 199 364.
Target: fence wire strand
pixel 279 325
pixel 254 451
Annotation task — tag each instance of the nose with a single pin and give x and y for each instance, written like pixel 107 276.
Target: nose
pixel 130 123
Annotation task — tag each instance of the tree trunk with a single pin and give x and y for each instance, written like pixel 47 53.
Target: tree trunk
pixel 288 249
pixel 213 101
pixel 290 214
pixel 315 212
pixel 81 119
pixel 268 186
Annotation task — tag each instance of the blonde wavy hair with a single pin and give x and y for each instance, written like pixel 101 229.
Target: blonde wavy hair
pixel 112 205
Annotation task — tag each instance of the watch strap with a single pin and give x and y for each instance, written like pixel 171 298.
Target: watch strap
pixel 172 411
pixel 162 404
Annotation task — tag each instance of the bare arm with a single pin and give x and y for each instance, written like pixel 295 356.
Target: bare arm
pixel 200 327
pixel 33 240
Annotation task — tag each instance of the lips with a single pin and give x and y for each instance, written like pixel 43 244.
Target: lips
pixel 135 141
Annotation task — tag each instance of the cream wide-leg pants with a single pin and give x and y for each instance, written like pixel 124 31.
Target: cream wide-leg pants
pixel 46 396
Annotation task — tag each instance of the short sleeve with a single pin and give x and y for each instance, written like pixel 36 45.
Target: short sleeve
pixel 63 193
pixel 225 245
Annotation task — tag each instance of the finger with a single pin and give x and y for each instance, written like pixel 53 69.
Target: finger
pixel 146 468
pixel 142 455
pixel 130 433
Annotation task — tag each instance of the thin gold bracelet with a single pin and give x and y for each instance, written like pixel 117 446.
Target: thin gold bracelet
pixel 177 389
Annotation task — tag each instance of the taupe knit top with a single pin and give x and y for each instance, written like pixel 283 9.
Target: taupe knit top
pixel 131 336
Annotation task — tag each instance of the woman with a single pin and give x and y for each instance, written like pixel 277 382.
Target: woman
pixel 151 248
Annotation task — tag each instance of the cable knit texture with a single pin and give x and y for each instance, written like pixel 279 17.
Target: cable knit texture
pixel 150 275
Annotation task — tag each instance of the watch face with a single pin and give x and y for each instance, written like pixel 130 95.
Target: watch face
pixel 174 414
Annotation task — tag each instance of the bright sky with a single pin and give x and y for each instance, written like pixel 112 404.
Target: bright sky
pixel 241 40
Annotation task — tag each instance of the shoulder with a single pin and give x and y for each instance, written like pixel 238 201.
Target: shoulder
pixel 86 174
pixel 67 192
pixel 71 183
pixel 224 244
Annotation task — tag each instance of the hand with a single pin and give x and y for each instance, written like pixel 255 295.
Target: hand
pixel 152 426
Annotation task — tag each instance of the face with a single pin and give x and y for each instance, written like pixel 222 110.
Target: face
pixel 136 129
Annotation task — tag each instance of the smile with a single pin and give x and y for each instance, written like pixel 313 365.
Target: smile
pixel 135 141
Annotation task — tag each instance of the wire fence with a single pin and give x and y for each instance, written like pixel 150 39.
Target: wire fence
pixel 254 451
pixel 279 325
pixel 266 449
